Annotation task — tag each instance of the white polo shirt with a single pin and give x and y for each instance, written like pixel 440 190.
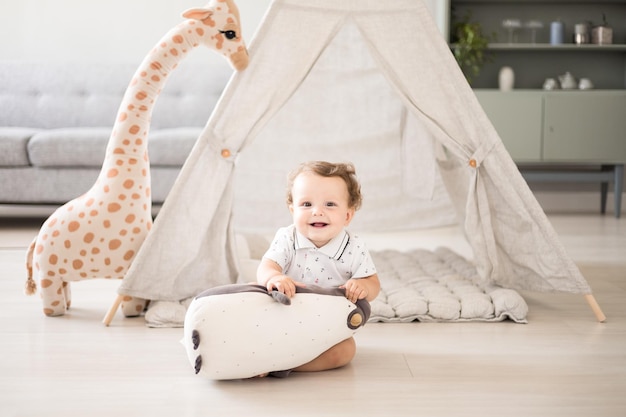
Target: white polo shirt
pixel 341 259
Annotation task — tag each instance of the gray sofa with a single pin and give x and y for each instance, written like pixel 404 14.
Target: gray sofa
pixel 55 121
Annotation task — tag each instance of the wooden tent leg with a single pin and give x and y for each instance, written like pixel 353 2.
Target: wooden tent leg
pixel 111 313
pixel 591 300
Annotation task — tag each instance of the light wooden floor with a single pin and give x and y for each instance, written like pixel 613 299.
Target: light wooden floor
pixel 563 363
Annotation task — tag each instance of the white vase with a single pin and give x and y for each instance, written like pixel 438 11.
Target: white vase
pixel 506 79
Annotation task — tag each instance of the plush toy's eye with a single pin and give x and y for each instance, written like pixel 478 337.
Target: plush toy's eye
pixel 230 34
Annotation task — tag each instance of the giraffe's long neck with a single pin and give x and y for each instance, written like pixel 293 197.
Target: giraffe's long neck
pixel 127 150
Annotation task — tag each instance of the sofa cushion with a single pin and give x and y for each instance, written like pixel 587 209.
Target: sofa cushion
pixel 170 147
pixel 13 143
pixel 85 147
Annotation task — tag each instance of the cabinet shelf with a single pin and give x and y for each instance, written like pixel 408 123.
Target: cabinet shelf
pixel 562 47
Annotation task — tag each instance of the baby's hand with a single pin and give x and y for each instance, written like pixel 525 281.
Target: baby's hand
pixel 354 290
pixel 283 284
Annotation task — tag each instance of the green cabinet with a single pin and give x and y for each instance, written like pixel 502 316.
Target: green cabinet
pixel 585 127
pixel 579 127
pixel 517 118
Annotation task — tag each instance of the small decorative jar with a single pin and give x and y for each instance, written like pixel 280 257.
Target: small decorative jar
pixel 603 34
pixel 506 79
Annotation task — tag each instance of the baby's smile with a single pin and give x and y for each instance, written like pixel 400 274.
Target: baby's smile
pixel 319 224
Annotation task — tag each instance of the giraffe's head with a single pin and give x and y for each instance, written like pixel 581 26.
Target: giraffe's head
pixel 221 30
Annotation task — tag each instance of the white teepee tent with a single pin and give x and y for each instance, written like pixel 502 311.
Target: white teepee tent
pixel 369 81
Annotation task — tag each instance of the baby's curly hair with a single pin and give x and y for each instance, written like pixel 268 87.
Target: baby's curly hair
pixel 345 171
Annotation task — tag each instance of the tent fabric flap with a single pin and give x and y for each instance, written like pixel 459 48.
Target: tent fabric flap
pixel 421 123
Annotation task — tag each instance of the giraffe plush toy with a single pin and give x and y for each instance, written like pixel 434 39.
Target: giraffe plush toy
pixel 98 234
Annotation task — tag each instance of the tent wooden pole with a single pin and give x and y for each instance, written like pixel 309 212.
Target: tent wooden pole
pixel 591 300
pixel 111 313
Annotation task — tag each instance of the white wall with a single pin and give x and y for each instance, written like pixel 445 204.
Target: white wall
pixel 123 30
pixel 73 30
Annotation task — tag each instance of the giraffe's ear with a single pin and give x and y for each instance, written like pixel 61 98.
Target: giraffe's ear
pixel 198 14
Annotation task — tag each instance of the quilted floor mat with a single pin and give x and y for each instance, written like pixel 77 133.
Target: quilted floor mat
pixel 441 286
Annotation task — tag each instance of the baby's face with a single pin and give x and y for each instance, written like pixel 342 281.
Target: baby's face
pixel 320 207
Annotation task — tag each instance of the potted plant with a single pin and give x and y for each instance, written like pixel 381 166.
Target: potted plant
pixel 470 46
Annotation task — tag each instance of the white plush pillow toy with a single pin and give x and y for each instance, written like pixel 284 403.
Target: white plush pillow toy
pixel 241 330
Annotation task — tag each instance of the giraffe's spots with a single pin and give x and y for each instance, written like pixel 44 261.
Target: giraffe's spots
pixel 130 218
pixel 45 283
pixel 39 249
pixel 200 31
pixel 119 151
pixel 67 244
pixel 53 259
pixel 113 172
pixel 113 207
pixel 129 255
pixel 62 271
pixel 82 215
pixel 51 273
pixel 83 275
pixel 126 142
pixel 156 65
pixel 106 224
pixel 127 298
pixel 131 107
pixel 178 39
pixel 148 192
pixel 143 107
pixel 115 244
pixel 119 269
pixel 134 129
pixel 141 95
pixel 107 261
pixel 53 222
pixel 95 250
pixel 156 78
pixel 136 230
pixel 123 116
pixel 174 52
pixel 123 232
pixel 144 172
pixel 90 202
pixel 73 226
pixel 121 197
pixel 135 196
pixel 138 142
pixel 83 253
pixel 48 311
pixel 119 162
pixel 88 238
pixel 93 213
pixel 132 161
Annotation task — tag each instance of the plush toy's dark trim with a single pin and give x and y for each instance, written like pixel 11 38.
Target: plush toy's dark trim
pixel 195 338
pixel 362 305
pixel 198 365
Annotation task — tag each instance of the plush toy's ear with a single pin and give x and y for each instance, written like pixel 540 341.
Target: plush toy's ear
pixel 198 14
